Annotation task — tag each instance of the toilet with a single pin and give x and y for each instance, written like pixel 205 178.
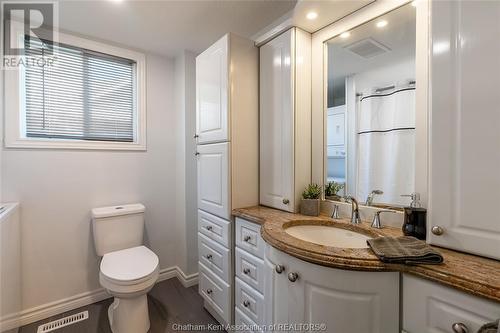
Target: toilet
pixel 128 269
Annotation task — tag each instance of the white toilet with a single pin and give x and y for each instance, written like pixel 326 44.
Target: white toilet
pixel 128 269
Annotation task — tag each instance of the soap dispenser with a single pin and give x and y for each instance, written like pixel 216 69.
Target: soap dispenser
pixel 415 218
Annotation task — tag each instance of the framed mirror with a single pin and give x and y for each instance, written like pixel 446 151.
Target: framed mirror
pixel 369 116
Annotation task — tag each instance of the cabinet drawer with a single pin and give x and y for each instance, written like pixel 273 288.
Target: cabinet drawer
pixel 214 228
pixel 248 237
pixel 244 324
pixel 249 301
pixel 215 292
pixel 430 307
pixel 250 269
pixel 215 257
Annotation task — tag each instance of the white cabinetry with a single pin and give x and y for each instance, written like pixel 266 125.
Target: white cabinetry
pixel 227 152
pixel 431 308
pixel 250 296
pixel 285 119
pixel 464 154
pixel 344 301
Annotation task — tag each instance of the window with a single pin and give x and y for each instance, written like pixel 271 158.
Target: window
pixel 91 97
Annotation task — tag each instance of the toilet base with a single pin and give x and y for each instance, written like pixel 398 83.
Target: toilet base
pixel 129 315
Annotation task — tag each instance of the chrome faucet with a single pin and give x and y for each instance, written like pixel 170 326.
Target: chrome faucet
pixel 376 218
pixel 355 219
pixel 369 198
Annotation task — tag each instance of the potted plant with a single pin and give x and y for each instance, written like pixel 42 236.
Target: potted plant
pixel 331 190
pixel 310 200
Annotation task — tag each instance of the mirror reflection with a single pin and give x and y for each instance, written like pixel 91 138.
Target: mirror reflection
pixel 370 119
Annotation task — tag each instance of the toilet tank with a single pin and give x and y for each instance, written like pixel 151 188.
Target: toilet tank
pixel 117 227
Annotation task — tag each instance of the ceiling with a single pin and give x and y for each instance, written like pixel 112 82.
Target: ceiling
pixel 328 12
pixel 398 35
pixel 167 27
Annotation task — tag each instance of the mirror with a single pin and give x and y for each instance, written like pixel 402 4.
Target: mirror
pixel 370 115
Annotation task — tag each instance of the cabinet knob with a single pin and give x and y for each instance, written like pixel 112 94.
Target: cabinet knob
pixel 196 136
pixel 196 154
pixel 208 227
pixel 459 328
pixel 286 201
pixel 208 256
pixel 279 269
pixel 209 291
pixel 292 276
pixel 246 303
pixel 246 271
pixel 437 230
pixel 247 238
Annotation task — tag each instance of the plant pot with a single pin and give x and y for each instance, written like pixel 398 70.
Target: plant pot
pixel 333 197
pixel 309 207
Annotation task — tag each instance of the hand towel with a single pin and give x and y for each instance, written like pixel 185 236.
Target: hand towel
pixel 404 250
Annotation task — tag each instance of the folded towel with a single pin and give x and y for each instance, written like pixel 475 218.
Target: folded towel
pixel 404 250
pixel 493 327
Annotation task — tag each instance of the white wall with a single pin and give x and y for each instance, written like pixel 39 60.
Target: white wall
pixel 57 189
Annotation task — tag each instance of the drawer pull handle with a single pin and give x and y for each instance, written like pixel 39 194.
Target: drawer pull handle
pixel 246 304
pixel 279 269
pixel 437 230
pixel 209 291
pixel 292 276
pixel 247 238
pixel 286 201
pixel 209 227
pixel 208 256
pixel 246 271
pixel 459 328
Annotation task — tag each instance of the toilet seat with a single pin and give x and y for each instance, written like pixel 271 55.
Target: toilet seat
pixel 133 266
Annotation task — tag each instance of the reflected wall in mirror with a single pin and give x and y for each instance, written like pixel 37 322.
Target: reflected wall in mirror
pixel 370 115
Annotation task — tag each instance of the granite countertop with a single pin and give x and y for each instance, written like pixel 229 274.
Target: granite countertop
pixel 473 274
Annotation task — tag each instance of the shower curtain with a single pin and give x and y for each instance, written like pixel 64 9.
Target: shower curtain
pixel 386 145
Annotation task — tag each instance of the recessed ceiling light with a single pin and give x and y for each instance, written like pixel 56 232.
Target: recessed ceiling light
pixel 381 24
pixel 312 15
pixel 414 3
pixel 345 34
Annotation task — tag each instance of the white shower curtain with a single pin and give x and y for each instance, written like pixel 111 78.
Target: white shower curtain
pixel 386 145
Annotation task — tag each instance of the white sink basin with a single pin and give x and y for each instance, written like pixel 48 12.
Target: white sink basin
pixel 329 236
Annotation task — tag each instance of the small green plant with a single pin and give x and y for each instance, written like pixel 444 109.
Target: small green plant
pixel 332 188
pixel 312 191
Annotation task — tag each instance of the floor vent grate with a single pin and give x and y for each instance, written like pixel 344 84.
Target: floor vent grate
pixel 59 323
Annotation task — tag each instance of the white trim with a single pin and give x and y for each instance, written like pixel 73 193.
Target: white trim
pixel 47 310
pixel 14 136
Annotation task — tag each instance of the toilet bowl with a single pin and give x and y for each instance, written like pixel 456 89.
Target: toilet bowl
pixel 128 275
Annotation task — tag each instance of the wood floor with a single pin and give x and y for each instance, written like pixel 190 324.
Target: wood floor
pixel 169 302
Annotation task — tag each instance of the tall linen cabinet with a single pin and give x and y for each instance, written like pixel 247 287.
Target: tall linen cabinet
pixel 227 160
pixel 285 119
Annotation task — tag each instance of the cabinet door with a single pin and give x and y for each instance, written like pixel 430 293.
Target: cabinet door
pixel 464 152
pixel 432 308
pixel 213 179
pixel 340 300
pixel 275 290
pixel 276 123
pixel 212 93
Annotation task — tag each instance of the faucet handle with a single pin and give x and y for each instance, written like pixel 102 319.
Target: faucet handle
pixel 376 218
pixel 335 212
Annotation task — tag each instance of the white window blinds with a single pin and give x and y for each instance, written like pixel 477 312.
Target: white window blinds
pixel 85 95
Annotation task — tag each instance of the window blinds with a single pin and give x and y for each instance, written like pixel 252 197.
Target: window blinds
pixel 85 95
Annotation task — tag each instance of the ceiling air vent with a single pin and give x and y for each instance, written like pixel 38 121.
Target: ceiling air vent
pixel 367 48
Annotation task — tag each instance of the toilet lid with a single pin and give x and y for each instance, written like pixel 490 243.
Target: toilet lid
pixel 130 264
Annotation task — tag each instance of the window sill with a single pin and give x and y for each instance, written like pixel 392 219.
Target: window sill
pixel 74 145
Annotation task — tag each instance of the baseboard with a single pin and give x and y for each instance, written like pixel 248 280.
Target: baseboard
pixel 47 310
pixel 186 280
pixel 37 313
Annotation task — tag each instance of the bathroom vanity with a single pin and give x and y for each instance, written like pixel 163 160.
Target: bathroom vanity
pixel 350 290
